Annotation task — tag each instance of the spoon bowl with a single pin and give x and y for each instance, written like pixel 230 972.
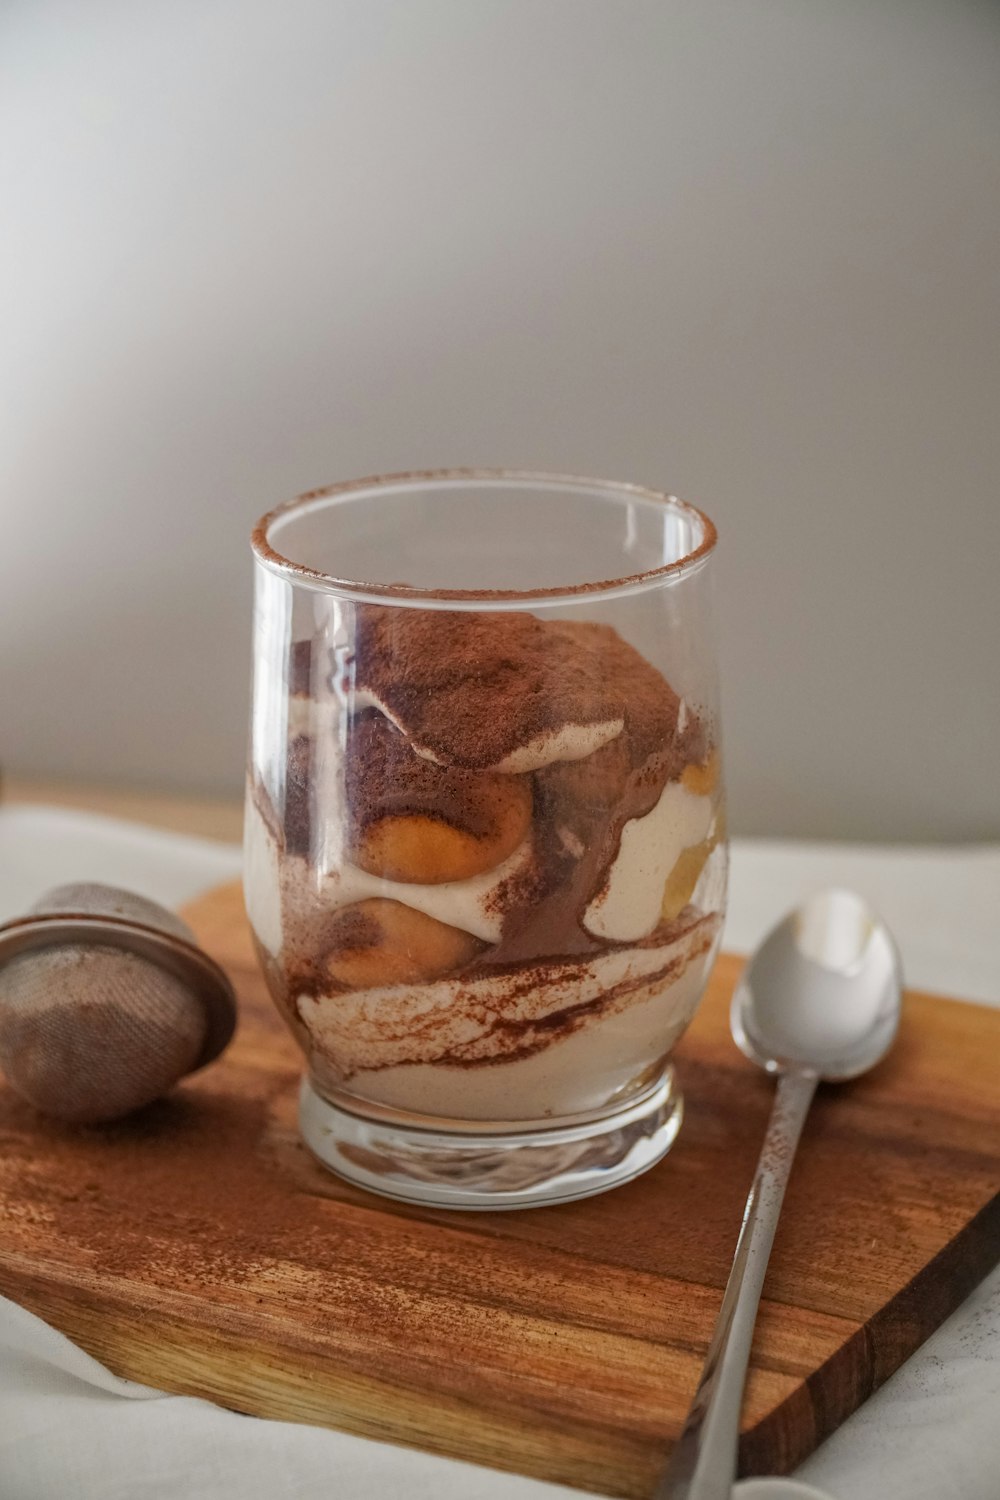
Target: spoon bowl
pixel 822 992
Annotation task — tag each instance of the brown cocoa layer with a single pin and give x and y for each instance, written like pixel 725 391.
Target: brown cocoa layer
pixel 297 820
pixel 384 777
pixel 472 688
pixel 496 1032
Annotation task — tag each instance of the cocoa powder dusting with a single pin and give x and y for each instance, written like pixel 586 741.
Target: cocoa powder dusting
pixel 353 928
pixel 300 666
pixel 471 688
pixel 385 777
pixel 298 780
pixel 147 1190
pixel 507 1039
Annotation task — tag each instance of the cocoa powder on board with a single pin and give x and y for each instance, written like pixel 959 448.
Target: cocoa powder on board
pixel 148 1188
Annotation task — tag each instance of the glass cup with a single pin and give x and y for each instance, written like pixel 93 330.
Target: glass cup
pixel 485 847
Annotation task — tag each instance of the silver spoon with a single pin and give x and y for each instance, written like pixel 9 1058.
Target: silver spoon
pixel 820 998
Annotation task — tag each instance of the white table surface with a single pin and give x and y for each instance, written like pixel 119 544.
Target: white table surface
pixel 71 1431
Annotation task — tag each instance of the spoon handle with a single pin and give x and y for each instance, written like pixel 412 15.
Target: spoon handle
pixel 703 1463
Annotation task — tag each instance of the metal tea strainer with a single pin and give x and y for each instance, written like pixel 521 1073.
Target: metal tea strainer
pixel 106 1000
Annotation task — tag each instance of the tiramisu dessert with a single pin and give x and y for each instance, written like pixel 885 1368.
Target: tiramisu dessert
pixel 485 864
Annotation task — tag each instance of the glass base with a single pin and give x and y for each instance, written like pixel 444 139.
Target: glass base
pixel 481 1166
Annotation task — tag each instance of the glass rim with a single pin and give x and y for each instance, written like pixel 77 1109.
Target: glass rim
pixel 275 562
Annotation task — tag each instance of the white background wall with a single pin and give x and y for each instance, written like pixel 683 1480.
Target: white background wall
pixel 745 251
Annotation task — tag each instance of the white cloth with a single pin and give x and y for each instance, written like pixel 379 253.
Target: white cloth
pixel 69 1428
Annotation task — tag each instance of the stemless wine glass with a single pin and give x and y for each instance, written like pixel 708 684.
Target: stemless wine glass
pixel 485 847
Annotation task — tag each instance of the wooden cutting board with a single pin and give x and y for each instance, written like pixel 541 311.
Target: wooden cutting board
pixel 199 1248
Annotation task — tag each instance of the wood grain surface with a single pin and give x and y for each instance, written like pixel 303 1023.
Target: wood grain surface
pixel 199 1248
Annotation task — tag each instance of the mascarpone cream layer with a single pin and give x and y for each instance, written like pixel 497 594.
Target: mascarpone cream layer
pixel 262 878
pixel 628 907
pixel 569 742
pixel 278 888
pixel 316 716
pixel 471 905
pixel 474 1019
pixel 649 994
